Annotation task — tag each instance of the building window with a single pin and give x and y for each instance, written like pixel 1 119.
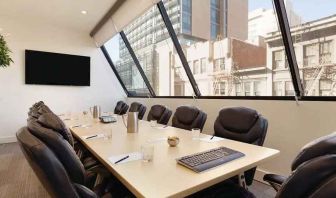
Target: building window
pixel 310 55
pixel 325 52
pixel 257 88
pixel 186 16
pixel 289 90
pixel 277 88
pixel 196 67
pixel 203 65
pixel 219 64
pixel 238 89
pixel 325 87
pixel 247 88
pixel 278 59
pixel 220 88
pixel 214 18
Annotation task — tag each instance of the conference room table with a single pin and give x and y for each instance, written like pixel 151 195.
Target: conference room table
pixel 163 176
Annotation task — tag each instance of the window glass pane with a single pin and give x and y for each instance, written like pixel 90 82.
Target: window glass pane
pixel 246 54
pixel 150 40
pixel 126 67
pixel 313 28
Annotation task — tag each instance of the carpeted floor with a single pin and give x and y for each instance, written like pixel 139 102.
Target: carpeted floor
pixel 17 179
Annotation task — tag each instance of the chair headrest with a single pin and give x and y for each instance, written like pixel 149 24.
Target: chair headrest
pixel 238 119
pixel 135 107
pixel 319 147
pixel 52 121
pixel 157 110
pixel 186 114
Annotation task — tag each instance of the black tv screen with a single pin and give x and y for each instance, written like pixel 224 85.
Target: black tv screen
pixel 47 68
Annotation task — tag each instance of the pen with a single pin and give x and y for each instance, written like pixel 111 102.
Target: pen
pixel 91 137
pixel 121 159
pixel 212 137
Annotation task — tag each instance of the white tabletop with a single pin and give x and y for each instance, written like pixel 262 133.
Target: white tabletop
pixel 163 177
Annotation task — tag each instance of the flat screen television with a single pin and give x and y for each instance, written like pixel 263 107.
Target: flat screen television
pixel 46 68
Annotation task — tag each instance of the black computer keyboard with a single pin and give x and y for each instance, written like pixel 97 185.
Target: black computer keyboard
pixel 202 161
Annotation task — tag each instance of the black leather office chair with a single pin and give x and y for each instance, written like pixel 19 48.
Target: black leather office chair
pixel 64 152
pixel 121 108
pixel 138 107
pixel 49 169
pixel 324 146
pixel 189 117
pixel 38 109
pixel 313 175
pixel 244 125
pixel 159 113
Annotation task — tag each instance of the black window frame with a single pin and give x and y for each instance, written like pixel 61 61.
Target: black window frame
pixel 279 7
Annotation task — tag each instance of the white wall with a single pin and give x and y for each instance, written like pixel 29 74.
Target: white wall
pixel 16 97
pixel 290 126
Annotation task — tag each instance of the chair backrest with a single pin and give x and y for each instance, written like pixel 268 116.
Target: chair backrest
pixel 138 107
pixel 244 125
pixel 121 108
pixel 159 113
pixel 52 121
pixel 46 166
pixel 315 178
pixel 189 117
pixel 62 149
pixel 322 146
pixel 241 124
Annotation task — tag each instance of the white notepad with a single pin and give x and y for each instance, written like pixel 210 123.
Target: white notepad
pixel 214 139
pixel 132 157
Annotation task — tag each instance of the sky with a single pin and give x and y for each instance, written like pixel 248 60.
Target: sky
pixel 308 9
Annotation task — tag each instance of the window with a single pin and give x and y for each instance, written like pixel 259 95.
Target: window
pixel 196 67
pixel 203 66
pixel 186 16
pixel 247 88
pixel 314 41
pixel 126 67
pixel 220 88
pixel 278 88
pixel 238 87
pixel 289 90
pixel 219 64
pixel 158 57
pixel 278 59
pixel 257 88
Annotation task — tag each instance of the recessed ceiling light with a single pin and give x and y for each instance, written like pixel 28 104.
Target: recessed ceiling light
pixel 84 12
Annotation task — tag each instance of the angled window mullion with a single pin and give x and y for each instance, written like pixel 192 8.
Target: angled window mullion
pixel 289 48
pixel 178 47
pixel 137 63
pixel 109 60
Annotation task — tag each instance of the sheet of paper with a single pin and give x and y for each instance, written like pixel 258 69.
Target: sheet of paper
pixel 132 157
pixel 214 139
pixel 98 136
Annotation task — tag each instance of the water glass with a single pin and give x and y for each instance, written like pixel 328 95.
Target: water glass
pixel 147 151
pixel 195 133
pixel 153 123
pixel 108 134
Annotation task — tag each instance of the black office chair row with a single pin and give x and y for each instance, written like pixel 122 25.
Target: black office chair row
pixel 48 146
pixel 185 117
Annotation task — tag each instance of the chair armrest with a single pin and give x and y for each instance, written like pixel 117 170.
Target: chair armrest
pixel 84 192
pixel 275 180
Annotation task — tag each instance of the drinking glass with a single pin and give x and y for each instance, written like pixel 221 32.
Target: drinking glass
pixel 108 134
pixel 195 133
pixel 147 151
pixel 153 123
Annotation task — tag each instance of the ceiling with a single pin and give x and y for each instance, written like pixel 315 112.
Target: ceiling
pixel 65 13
